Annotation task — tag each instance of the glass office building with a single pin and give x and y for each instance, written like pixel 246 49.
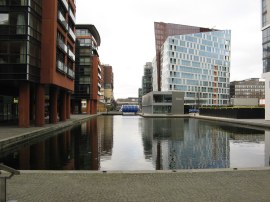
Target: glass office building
pixel 199 65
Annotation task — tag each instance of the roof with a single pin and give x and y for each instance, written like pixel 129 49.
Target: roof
pixel 92 30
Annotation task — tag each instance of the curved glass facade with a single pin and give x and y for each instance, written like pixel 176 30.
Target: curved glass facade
pixel 199 65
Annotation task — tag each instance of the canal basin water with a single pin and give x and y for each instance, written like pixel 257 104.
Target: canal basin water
pixel 136 143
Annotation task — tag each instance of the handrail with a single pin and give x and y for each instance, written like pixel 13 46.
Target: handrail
pixel 3 180
pixel 10 170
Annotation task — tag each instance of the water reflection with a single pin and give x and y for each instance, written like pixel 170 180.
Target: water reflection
pixel 75 149
pixel 135 143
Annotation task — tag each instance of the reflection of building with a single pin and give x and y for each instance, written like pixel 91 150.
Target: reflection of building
pixel 105 128
pixel 158 102
pixel 147 137
pixel 35 64
pixel 266 53
pixel 140 96
pixel 88 70
pixel 75 149
pixel 185 144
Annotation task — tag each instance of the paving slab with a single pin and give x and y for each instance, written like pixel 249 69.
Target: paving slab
pixel 208 185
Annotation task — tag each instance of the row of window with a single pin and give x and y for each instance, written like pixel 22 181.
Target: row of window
pixel 177 57
pixel 216 36
pixel 249 87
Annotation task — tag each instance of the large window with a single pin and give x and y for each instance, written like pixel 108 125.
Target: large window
pixel 4 18
pixel 13 52
pixel 85 51
pixel 85 61
pixel 85 42
pixel 82 32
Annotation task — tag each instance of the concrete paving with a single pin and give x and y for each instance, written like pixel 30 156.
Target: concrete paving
pixel 208 185
pixel 192 185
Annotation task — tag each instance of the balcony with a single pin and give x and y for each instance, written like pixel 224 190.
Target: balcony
pixel 60 65
pixel 72 16
pixel 71 73
pixel 99 85
pixel 71 55
pixel 65 3
pixel 62 45
pixel 62 20
pixel 99 68
pixel 71 33
pixel 99 76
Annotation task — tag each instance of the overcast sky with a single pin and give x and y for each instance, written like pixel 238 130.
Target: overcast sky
pixel 126 28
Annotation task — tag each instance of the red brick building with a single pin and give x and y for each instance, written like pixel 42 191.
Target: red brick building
pixel 38 69
pixel 88 70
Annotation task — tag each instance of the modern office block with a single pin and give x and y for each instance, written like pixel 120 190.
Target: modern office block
pixel 163 102
pixel 88 69
pixel 197 64
pixel 248 88
pixel 162 32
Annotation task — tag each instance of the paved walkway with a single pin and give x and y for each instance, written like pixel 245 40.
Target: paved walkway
pixel 184 186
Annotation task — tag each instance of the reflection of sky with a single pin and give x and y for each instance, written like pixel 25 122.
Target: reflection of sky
pixel 128 151
pixel 246 154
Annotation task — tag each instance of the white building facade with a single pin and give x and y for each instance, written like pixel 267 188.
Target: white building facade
pixel 266 53
pixel 198 65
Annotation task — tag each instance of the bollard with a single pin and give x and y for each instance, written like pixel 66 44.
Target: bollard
pixel 3 180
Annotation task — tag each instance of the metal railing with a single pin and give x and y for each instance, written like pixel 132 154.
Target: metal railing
pixel 3 180
pixel 71 33
pixel 65 4
pixel 72 16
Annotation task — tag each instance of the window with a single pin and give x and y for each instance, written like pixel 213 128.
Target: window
pixel 85 42
pixel 4 18
pixel 3 2
pixel 85 61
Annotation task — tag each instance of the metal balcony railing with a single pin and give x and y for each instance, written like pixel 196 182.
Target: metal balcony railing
pixel 65 3
pixel 99 76
pixel 60 65
pixel 62 45
pixel 71 73
pixel 62 20
pixel 72 16
pixel 71 33
pixel 71 55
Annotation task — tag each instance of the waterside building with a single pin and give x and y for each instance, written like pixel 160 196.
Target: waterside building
pixel 88 70
pixel 197 64
pixel 37 70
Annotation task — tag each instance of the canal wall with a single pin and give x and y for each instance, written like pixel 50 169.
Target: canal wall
pixel 260 123
pixel 234 112
pixel 11 136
